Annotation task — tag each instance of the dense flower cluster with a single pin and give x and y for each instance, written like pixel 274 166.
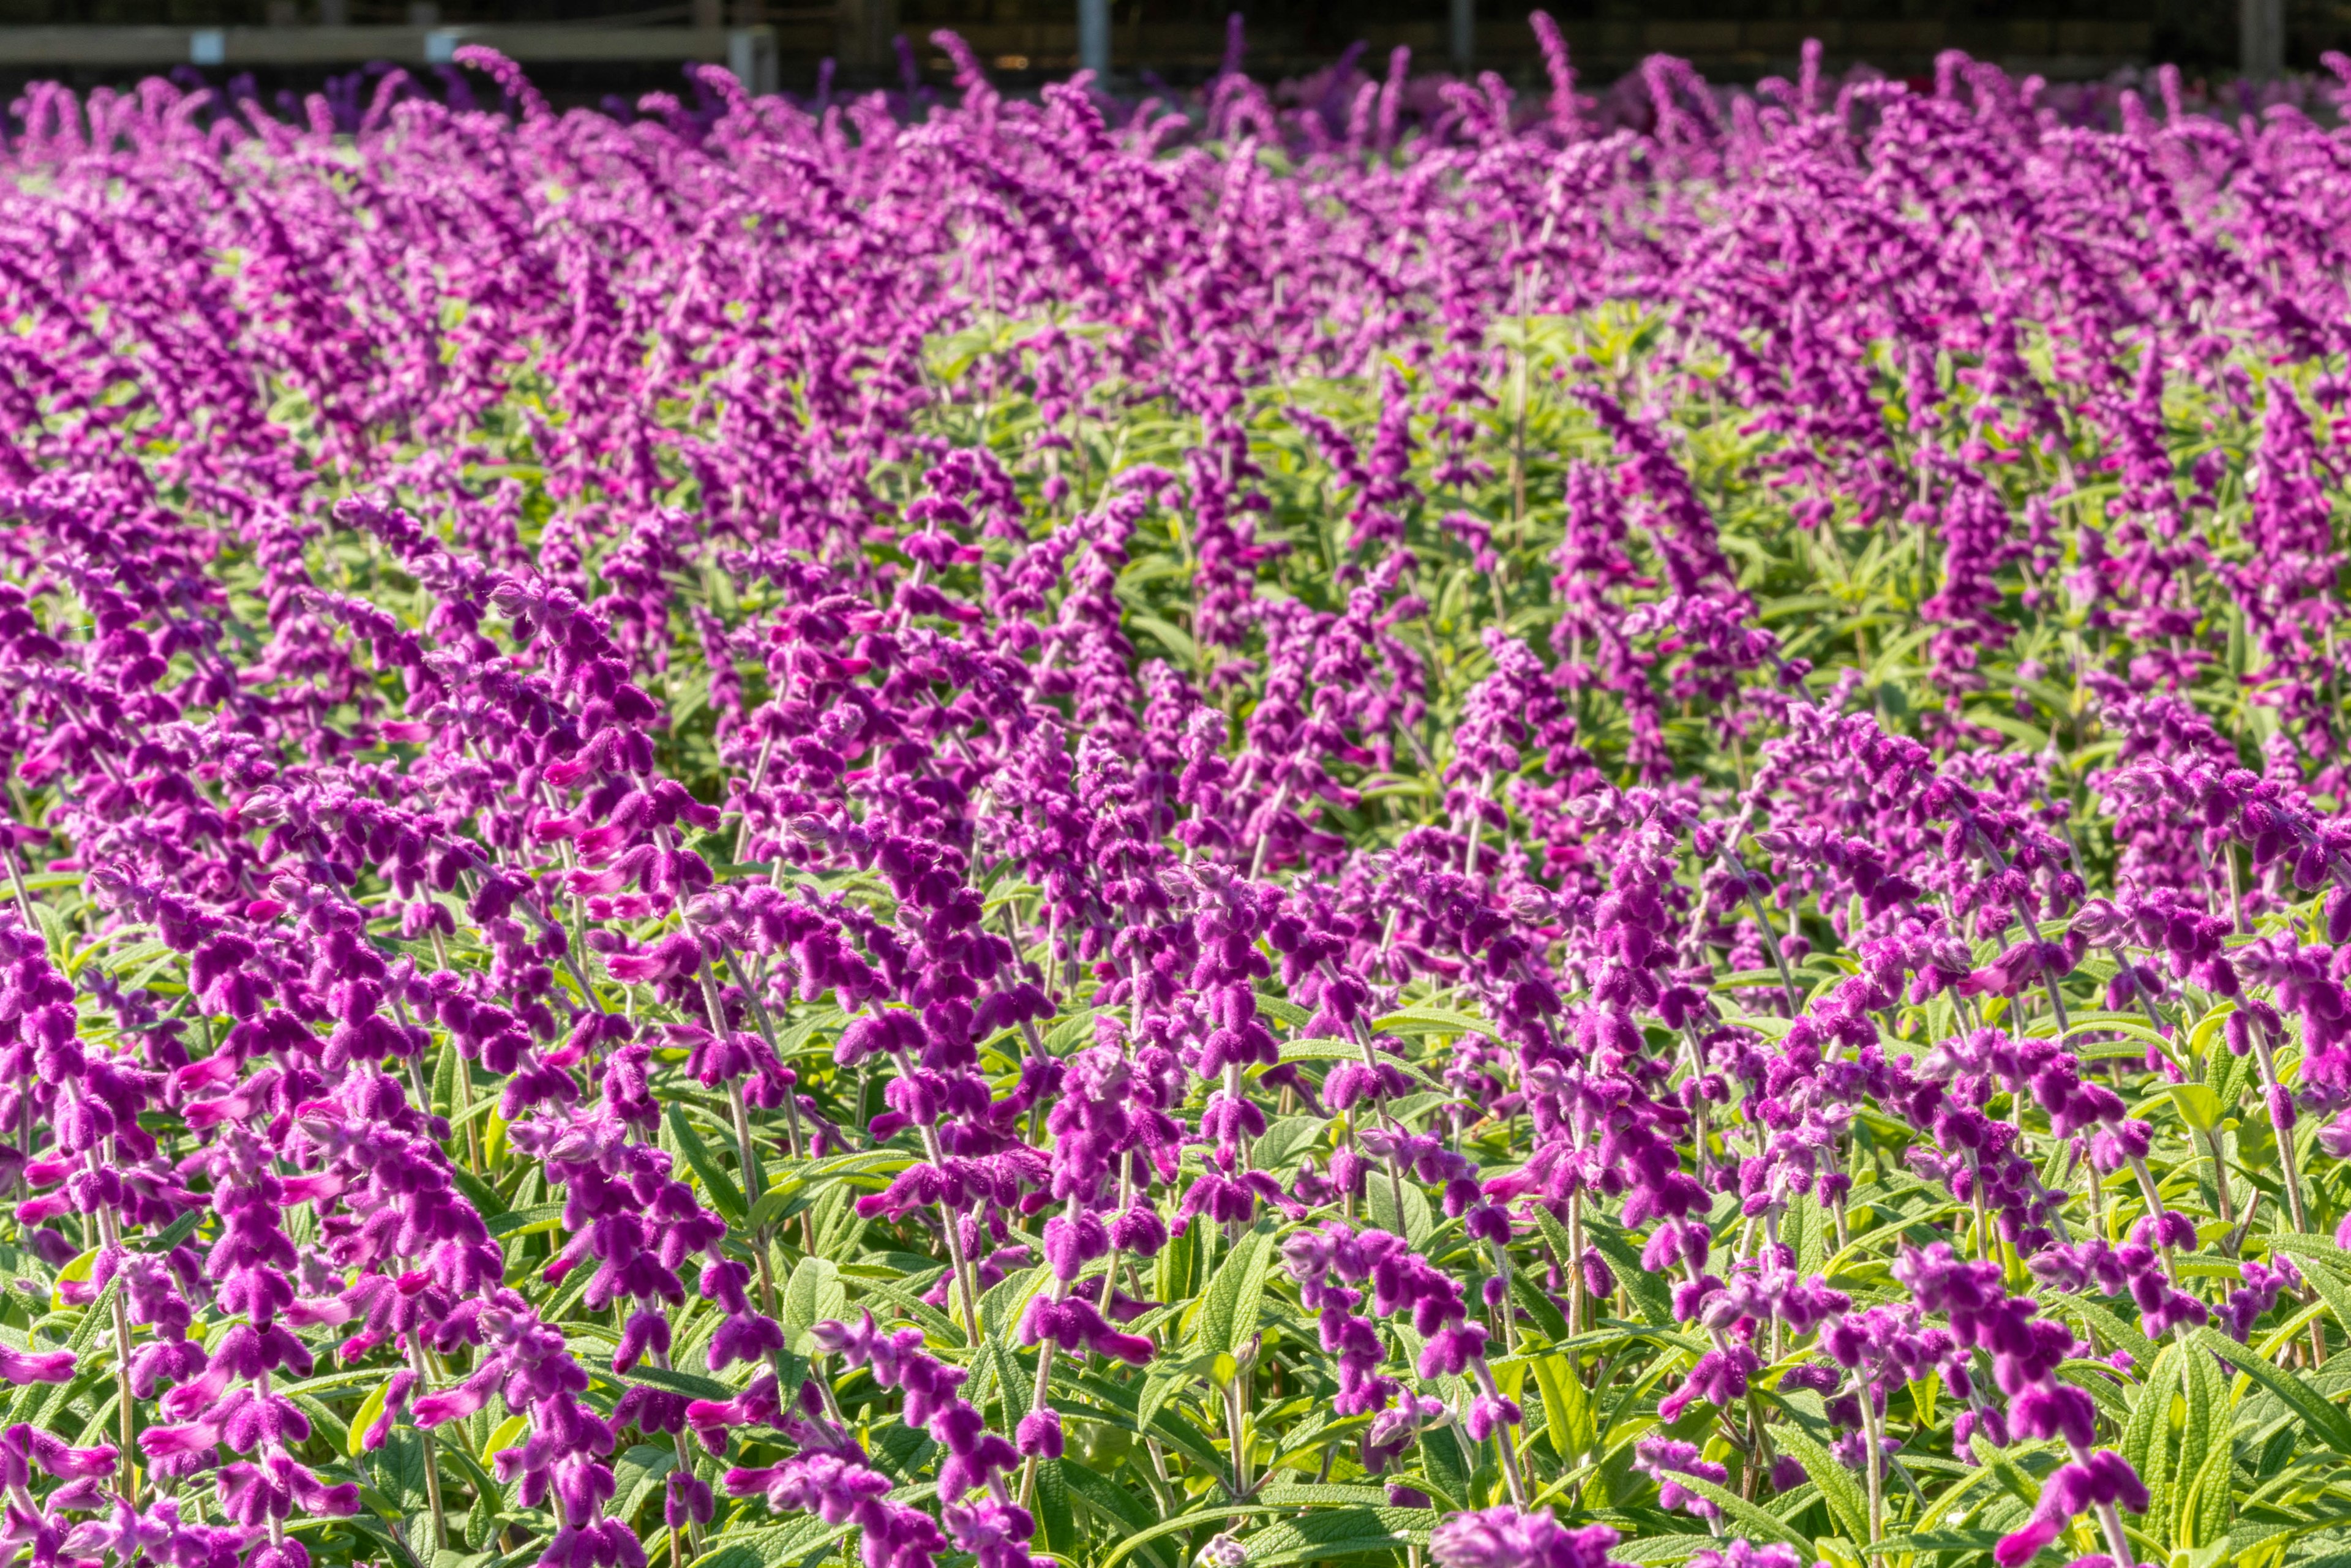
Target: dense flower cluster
pixel 1376 822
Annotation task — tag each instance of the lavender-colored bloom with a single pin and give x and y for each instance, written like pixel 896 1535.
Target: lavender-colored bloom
pixel 1662 1460
pixel 1511 1538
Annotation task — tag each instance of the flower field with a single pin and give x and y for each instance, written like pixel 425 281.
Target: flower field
pixel 1421 829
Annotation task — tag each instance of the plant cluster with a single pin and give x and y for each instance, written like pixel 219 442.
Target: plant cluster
pixel 1241 838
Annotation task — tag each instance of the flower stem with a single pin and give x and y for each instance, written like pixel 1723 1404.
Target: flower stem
pixel 432 1459
pixel 1877 1458
pixel 111 1234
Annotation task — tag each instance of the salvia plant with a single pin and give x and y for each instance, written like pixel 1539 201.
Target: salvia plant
pixel 1407 826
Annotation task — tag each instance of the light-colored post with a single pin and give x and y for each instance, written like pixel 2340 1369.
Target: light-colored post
pixel 2260 30
pixel 1093 37
pixel 751 56
pixel 1465 35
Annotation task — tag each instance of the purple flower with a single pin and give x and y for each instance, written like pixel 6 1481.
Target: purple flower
pixel 1662 1460
pixel 1512 1538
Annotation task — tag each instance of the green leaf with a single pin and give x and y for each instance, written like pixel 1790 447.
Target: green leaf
pixel 420 1536
pixel 1119 1506
pixel 54 930
pixel 1287 1141
pixel 1567 1408
pixel 366 1417
pixel 1115 1401
pixel 1192 1520
pixel 2204 1504
pixel 2020 1486
pixel 392 1548
pixel 1428 1021
pixel 724 1195
pixel 771 1206
pixel 1011 1385
pixel 671 1379
pixel 1287 1489
pixel 1977 1543
pixel 727 1554
pixel 1661 1550
pixel 2327 1423
pixel 1054 1520
pixel 1414 1221
pixel 1751 1519
pixel 2206 1402
pixel 103 1422
pixel 1444 1471
pixel 1227 1319
pixel 1002 1306
pixel 2317 1247
pixel 2151 1411
pixel 531 1221
pixel 774 1546
pixel 1338 1533
pixel 2200 1107
pixel 444 1078
pixel 1176 1277
pixel 2112 1329
pixel 1321 1050
pixel 2228 1080
pixel 1652 1296
pixel 77 1269
pixel 172 1235
pixel 1159 1382
pixel 398 1468
pixel 1808 1229
pixel 479 1192
pixel 1282 1011
pixel 2330 1288
pixel 1066 1035
pixel 2326 1560
pixel 1172 638
pixel 1846 1499
pixel 1538 1306
pixel 814 1294
pixel 332 1382
pixel 505 1435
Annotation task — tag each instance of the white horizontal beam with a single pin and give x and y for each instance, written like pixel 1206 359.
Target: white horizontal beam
pixel 231 47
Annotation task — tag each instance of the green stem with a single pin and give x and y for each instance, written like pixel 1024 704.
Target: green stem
pixel 432 1459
